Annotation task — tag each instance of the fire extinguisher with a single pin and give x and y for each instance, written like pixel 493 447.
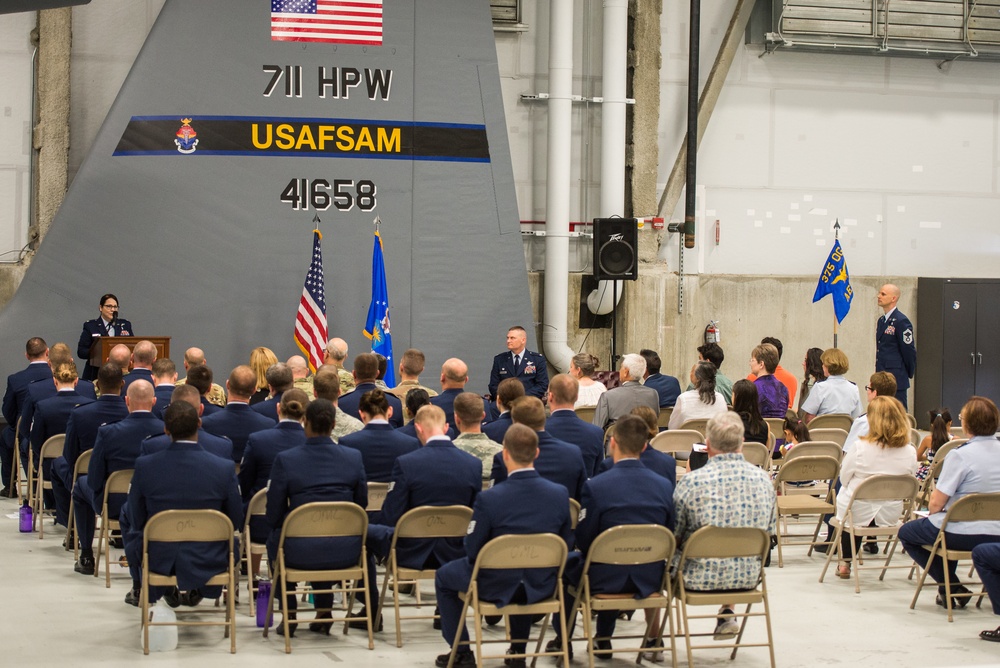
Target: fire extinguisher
pixel 712 332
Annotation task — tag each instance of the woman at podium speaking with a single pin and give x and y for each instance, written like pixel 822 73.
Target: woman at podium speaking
pixel 107 323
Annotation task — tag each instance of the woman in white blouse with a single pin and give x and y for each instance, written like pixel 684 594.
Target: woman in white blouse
pixel 886 450
pixel 582 367
pixel 701 402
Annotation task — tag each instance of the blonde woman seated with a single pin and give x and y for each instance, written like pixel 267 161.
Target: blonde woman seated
pixel 886 450
pixel 702 402
pixel 582 368
pixel 836 394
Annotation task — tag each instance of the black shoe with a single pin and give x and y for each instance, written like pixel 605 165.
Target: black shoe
pixel 7 493
pixel 556 646
pixel 871 547
pixel 602 645
pixel 280 629
pixel 323 627
pixel 358 622
pixel 822 549
pixel 957 603
pixel 132 597
pixel 992 636
pixel 437 619
pixel 192 598
pixel 116 542
pixel 492 620
pixel 518 662
pixel 173 598
pixel 464 659
pixel 84 565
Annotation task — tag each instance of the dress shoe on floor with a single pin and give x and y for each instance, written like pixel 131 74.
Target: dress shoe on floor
pixel 173 597
pixel 280 629
pixel 437 619
pixel 602 645
pixel 492 620
pixel 992 636
pixel 132 597
pixel 192 598
pixel 7 493
pixel 464 659
pixel 556 646
pixel 957 603
pixel 320 626
pixel 362 624
pixel 871 547
pixel 515 662
pixel 85 566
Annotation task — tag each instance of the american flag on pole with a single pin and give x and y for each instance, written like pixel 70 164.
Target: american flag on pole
pixel 335 21
pixel 310 321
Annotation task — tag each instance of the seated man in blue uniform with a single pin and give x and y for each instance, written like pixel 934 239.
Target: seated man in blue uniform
pixel 200 377
pixel 365 374
pixel 164 381
pixel 557 461
pixel 279 379
pixel 668 387
pixel 216 445
pixel 454 376
pixel 183 477
pixel 508 391
pixel 438 474
pixel 378 443
pixel 629 493
pixel 528 367
pixel 524 503
pixel 564 424
pixel 81 433
pixel 236 421
pixel 116 449
pixel 37 352
pixel 319 470
pixel 143 356
pixel 658 462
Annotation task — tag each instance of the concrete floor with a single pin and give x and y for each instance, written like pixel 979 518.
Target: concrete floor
pixel 52 615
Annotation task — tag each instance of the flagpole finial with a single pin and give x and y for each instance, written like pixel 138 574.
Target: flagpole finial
pixel 316 219
pixel 377 223
pixel 836 229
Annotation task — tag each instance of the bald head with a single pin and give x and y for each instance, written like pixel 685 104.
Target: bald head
pixel 143 355
pixel 336 352
pixel 454 374
pixel 193 357
pixel 563 391
pixel 297 363
pixel 888 296
pixel 187 394
pixel 140 396
pixel 120 356
pixel 242 383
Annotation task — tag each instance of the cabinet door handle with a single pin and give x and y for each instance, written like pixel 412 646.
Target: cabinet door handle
pixel 980 355
pixel 973 356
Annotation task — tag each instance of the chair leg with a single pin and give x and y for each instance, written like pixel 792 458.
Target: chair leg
pixel 739 636
pixel 947 588
pixel 71 531
pixel 831 550
pixel 381 599
pixel 368 608
pixel 767 622
pixel 923 576
pixel 231 605
pixel 458 634
pixel 100 543
pixel 893 542
pixel 781 558
pixel 588 633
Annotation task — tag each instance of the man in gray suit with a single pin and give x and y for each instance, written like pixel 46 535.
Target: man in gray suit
pixel 621 400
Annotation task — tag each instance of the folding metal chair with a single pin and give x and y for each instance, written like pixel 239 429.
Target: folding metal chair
pixel 256 508
pixel 118 483
pixel 804 469
pixel 79 469
pixel 377 491
pixel 51 450
pixel 837 420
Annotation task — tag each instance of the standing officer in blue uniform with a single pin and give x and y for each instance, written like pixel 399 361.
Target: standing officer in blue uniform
pixel 518 362
pixel 183 477
pixel 895 351
pixel 106 324
pixel 525 503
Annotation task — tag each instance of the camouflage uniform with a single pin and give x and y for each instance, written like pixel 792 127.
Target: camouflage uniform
pixel 345 425
pixel 306 385
pixel 216 395
pixel 479 445
pixel 346 380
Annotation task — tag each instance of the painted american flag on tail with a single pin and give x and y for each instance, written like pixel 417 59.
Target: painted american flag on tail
pixel 334 21
pixel 310 321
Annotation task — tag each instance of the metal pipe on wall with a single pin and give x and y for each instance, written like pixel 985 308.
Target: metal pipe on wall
pixel 694 52
pixel 557 189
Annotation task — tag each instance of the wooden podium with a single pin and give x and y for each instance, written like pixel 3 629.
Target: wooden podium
pixel 100 349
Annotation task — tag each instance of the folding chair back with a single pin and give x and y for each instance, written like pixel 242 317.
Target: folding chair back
pixel 256 508
pixel 420 522
pixel 912 420
pixel 973 508
pixel 776 426
pixel 838 420
pixel 585 413
pixel 835 434
pixel 188 526
pixel 957 431
pixel 51 449
pixel 663 419
pixel 943 451
pixel 118 483
pixel 574 513
pixel 676 440
pixel 377 491
pixel 915 437
pixel 724 543
pixel 699 425
pixel 814 449
pixel 757 454
pixel 807 468
pixel 516 551
pixel 632 545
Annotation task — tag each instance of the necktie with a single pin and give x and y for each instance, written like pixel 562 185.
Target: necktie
pixel 517 361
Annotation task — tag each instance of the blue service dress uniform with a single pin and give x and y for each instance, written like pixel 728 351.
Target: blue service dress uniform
pixel 13 403
pixel 532 372
pixel 379 445
pixel 219 446
pixel 236 422
pixel 557 461
pixel 658 462
pixel 566 425
pixel 668 387
pixel 349 403
pixel 895 350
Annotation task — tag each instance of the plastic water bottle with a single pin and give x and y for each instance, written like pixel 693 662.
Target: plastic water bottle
pixel 162 638
pixel 263 598
pixel 26 518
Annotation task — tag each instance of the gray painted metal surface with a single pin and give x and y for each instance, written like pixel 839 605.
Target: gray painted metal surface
pixel 199 246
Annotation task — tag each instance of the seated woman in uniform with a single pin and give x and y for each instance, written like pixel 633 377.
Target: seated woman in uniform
pixel 836 394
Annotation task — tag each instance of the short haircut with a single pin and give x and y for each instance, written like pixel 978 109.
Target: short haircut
pixel 530 412
pixel 586 363
pixel 431 415
pixel 883 384
pixel 334 351
pixel 565 388
pixel 109 378
pixel 774 342
pixel 509 391
pixel 60 352
pixel 469 408
pixel 635 364
pixel 194 356
pixel 713 353
pixel 413 362
pixel 106 297
pixel 64 372
pixel 522 444
pixel 653 362
pixel 416 398
pixel 293 404
pixel 186 393
pixel 725 432
pixel 242 381
pixel 373 402
pixel 365 367
pixel 980 417
pixel 326 384
pixel 200 377
pixel 887 423
pixel 140 391
pixel 279 376
pixel 517 328
pixel 144 353
pixel 383 365
pixel 455 370
pixel 165 366
pixel 647 415
pixel 767 355
pixel 35 347
pixel 321 416
pixel 835 361
pixel 181 420
pixel 630 434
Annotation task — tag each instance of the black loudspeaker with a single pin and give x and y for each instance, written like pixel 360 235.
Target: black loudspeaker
pixel 616 253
